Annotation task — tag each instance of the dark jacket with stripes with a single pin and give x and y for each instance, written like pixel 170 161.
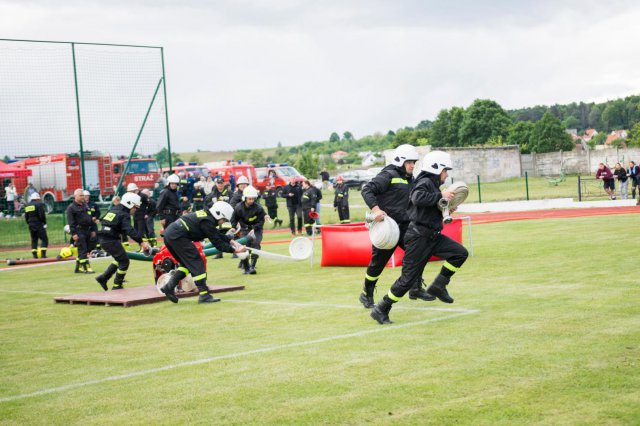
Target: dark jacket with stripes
pixel 390 190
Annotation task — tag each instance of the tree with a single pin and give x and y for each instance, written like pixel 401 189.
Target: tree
pixel 256 158
pixel 162 157
pixel 614 115
pixel 520 134
pixel 595 119
pixel 445 130
pixel 571 122
pixel 634 136
pixel 347 136
pixel 483 120
pixel 307 164
pixel 549 135
pixel 334 137
pixel 424 124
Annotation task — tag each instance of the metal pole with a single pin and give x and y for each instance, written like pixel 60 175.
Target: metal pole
pixel 479 192
pixel 166 109
pixel 579 189
pixel 526 181
pixel 75 81
pixel 135 145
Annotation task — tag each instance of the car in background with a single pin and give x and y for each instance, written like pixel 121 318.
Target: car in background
pixel 353 178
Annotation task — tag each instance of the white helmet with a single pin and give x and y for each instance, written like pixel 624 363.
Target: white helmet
pixel 173 179
pixel 132 187
pixel 221 210
pixel 242 179
pixel 404 153
pixel 249 192
pixel 85 192
pixel 130 200
pixel 436 161
pixel 34 196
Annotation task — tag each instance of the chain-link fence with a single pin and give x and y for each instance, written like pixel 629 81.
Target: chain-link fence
pixel 78 115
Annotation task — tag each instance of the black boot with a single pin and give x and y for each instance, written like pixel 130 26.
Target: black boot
pixel 366 297
pixel 43 253
pixel 34 253
pixel 104 278
pixel 418 292
pixel 240 264
pixel 439 289
pixel 245 266
pixel 78 271
pixel 118 282
pixel 205 296
pixel 252 267
pixel 218 256
pixel 381 311
pixel 169 289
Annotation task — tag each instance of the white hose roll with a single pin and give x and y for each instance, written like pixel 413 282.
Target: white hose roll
pixel 384 234
pixel 300 248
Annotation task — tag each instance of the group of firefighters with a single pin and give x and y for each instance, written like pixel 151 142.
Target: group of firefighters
pixel 224 217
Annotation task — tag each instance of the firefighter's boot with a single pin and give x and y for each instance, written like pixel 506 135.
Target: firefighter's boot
pixel 439 289
pixel 380 312
pixel 104 277
pixel 77 270
pixel 366 297
pixel 205 296
pixel 252 267
pixel 169 289
pixel 418 292
pixel 86 266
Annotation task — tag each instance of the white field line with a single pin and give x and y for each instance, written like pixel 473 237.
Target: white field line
pixel 375 329
pixel 20 267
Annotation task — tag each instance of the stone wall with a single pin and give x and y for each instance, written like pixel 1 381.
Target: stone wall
pixel 577 162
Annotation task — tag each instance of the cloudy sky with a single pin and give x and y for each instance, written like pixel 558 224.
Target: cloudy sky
pixel 247 74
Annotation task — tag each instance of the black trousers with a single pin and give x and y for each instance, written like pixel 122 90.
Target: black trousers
pixel 343 213
pixel 308 222
pixel 272 212
pixel 115 249
pixel 256 242
pixel 150 225
pixel 419 247
pixel 84 243
pixel 293 212
pixel 185 252
pixel 39 234
pixel 141 228
pixel 380 257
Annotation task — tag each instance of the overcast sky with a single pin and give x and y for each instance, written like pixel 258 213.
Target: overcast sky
pixel 247 74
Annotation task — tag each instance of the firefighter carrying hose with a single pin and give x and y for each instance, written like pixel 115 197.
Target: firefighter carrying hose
pixel 179 238
pixel 115 223
pixel 248 219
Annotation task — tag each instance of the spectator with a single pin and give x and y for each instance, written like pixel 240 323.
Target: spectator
pixel 621 175
pixel 609 183
pixel 208 185
pixel 324 175
pixel 12 196
pixel 634 174
pixel 29 191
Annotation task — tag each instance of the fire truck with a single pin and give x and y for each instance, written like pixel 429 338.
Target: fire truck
pixel 56 176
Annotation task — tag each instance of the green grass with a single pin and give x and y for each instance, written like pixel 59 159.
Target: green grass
pixel 555 339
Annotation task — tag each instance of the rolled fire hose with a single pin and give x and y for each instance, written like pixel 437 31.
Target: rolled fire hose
pixel 384 234
pixel 460 193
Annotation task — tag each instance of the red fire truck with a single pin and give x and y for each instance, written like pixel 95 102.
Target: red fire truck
pixel 56 176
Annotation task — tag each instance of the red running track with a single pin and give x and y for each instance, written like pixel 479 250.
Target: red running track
pixel 480 218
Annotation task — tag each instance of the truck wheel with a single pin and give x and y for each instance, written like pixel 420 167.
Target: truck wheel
pixel 49 203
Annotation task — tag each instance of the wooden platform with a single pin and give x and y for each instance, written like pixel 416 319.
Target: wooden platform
pixel 134 296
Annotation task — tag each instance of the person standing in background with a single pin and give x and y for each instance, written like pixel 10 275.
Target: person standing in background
pixel 621 175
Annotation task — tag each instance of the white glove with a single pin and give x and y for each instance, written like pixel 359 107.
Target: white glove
pixel 44 226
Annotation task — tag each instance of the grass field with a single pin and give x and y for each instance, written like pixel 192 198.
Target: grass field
pixel 545 330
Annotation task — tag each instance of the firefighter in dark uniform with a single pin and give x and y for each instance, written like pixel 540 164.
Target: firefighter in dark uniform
pixel 34 214
pixel 149 217
pixel 424 239
pixel 198 195
pixel 169 202
pixel 82 229
pixel 248 220
pixel 220 192
pixel 114 224
pixel 139 217
pixel 293 193
pixel 270 196
pixel 309 200
pixel 387 194
pixel 341 200
pixel 179 238
pixel 236 197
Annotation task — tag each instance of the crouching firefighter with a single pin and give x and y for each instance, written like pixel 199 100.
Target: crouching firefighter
pixel 179 238
pixel 117 222
pixel 248 219
pixel 424 239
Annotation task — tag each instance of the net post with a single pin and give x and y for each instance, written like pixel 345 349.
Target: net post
pixel 75 82
pixel 166 109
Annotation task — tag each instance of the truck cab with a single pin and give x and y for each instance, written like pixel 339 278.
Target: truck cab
pixel 144 172
pixel 278 175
